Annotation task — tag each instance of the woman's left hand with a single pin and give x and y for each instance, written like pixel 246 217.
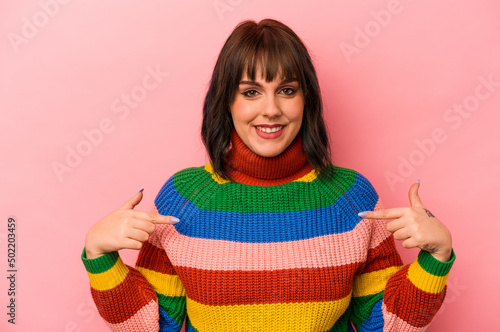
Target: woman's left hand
pixel 416 226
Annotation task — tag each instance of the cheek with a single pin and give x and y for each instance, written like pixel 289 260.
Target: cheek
pixel 296 111
pixel 241 112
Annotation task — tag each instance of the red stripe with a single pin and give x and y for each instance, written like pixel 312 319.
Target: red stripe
pixel 401 297
pixel 281 286
pixel 382 256
pixel 154 258
pixel 118 304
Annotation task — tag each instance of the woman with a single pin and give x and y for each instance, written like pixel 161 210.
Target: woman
pixel 268 236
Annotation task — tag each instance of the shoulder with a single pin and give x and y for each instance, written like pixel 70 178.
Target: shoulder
pixel 345 177
pixel 186 176
pixel 353 185
pixel 180 183
pixel 191 174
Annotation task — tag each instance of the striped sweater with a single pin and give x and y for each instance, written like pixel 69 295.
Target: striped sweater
pixel 279 248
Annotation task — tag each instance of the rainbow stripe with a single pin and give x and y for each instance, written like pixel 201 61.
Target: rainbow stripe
pixel 288 257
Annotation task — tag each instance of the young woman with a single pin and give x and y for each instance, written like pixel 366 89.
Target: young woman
pixel 269 235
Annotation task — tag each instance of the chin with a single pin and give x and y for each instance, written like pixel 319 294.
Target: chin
pixel 268 155
pixel 268 152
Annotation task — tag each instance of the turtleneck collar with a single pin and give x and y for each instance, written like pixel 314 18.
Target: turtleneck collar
pixel 245 166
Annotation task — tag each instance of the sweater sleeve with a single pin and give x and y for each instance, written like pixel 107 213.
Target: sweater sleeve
pixel 149 297
pixel 123 297
pixel 388 296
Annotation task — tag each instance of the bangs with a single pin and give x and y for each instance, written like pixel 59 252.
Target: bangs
pixel 272 54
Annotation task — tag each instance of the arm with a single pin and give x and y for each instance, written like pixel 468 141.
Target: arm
pixel 124 298
pixel 414 295
pixel 388 296
pixel 157 269
pixel 148 297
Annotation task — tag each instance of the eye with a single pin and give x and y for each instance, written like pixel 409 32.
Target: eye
pixel 289 91
pixel 250 93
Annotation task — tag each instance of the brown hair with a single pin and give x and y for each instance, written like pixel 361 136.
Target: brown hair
pixel 277 50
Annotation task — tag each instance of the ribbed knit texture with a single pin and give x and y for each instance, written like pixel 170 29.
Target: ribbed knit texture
pixel 261 253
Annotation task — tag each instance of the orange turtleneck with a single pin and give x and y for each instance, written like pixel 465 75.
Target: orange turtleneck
pixel 245 166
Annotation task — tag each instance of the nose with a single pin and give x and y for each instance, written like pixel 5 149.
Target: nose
pixel 272 108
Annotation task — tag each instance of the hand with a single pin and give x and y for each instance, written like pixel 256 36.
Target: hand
pixel 124 228
pixel 416 226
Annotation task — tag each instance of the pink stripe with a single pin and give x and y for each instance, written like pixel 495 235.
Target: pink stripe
pixel 145 319
pixel 380 232
pixel 393 323
pixel 322 251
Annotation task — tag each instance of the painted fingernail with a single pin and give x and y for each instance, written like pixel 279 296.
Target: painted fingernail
pixel 174 220
pixel 363 214
pixel 418 181
pixel 140 191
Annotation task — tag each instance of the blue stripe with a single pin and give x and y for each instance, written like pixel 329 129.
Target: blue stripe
pixel 190 329
pixel 374 322
pixel 265 227
pixel 167 323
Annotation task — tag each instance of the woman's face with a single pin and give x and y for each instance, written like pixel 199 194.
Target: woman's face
pixel 267 116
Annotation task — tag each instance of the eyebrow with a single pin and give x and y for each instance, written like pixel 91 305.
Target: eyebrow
pixel 259 85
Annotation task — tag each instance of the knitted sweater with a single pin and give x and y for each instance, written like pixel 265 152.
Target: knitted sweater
pixel 279 248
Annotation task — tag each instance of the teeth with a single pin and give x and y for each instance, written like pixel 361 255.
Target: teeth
pixel 270 130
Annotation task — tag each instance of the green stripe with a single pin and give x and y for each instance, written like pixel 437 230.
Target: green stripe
pixel 100 264
pixel 434 266
pixel 289 197
pixel 362 308
pixel 175 306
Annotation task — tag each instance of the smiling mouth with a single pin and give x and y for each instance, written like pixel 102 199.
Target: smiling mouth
pixel 269 130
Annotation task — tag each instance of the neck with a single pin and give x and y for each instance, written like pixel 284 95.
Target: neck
pixel 245 166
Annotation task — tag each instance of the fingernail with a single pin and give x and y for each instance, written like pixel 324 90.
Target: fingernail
pixel 174 220
pixel 418 181
pixel 363 214
pixel 140 191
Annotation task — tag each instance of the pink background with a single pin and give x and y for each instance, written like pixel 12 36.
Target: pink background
pixel 390 72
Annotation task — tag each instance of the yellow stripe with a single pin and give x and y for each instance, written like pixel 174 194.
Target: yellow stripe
pixel 425 281
pixel 373 282
pixel 309 177
pixel 109 279
pixel 166 284
pixel 218 179
pixel 266 317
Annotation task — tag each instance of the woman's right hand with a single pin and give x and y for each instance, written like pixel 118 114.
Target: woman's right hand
pixel 124 228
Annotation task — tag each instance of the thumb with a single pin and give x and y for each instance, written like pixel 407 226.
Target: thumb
pixel 413 195
pixel 132 202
